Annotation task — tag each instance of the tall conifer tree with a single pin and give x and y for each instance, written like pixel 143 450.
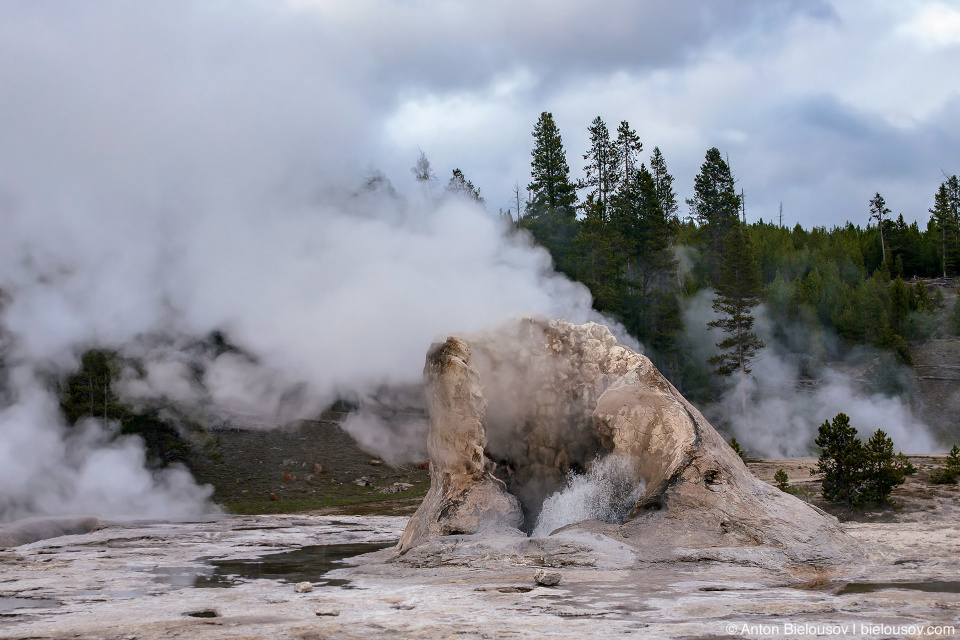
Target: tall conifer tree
pixel 738 292
pixel 942 216
pixel 459 186
pixel 552 206
pixel 628 146
pixel 551 188
pixel 878 212
pixel 603 170
pixel 663 182
pixel 716 207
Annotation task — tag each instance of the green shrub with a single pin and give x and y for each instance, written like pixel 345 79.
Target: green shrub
pixel 882 472
pixel 782 480
pixel 736 447
pixel 854 472
pixel 950 473
pixel 841 461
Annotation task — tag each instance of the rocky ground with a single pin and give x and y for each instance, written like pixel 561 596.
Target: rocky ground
pixel 235 577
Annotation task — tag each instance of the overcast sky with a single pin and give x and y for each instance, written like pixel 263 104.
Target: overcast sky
pixel 817 103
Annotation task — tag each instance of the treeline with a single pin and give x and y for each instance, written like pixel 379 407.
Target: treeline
pixel 620 231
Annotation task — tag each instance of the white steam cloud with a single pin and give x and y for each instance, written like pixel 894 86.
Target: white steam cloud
pixel 167 174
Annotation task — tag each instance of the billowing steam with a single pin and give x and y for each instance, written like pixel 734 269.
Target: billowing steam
pixel 167 174
pixel 322 298
pixel 776 409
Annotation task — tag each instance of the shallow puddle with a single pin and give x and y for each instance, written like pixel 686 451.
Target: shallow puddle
pixel 9 604
pixel 931 586
pixel 307 564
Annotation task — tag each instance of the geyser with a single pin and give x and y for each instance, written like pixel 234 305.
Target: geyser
pixel 515 413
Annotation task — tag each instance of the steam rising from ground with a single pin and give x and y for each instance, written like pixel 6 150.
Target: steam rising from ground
pixel 606 492
pixel 322 298
pixel 775 412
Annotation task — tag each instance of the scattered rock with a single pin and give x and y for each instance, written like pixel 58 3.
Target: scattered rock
pixel 376 463
pixel 303 587
pixel 546 578
pixel 365 481
pixel 274 496
pixel 289 463
pixel 318 468
pixel 396 487
pixel 289 477
pixel 327 612
pixel 203 613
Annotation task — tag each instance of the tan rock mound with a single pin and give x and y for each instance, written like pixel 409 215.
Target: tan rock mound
pixel 512 414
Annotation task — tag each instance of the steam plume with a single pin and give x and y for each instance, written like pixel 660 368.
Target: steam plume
pixel 775 415
pixel 168 174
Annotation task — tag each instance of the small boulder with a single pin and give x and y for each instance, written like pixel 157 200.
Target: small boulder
pixel 327 612
pixel 303 587
pixel 546 578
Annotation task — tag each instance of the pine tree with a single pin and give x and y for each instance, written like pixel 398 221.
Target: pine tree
pixel 603 170
pixel 422 172
pixel 551 188
pixel 715 206
pixel 551 210
pixel 461 187
pixel 628 145
pixel 899 303
pixel 882 471
pixel 953 189
pixel 597 242
pixel 738 292
pixel 878 210
pixel 842 458
pixel 782 480
pixel 663 182
pixel 944 216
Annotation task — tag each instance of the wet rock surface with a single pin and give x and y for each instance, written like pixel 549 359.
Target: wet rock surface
pixel 104 584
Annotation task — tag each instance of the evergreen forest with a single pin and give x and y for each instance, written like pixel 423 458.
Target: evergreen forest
pixel 621 231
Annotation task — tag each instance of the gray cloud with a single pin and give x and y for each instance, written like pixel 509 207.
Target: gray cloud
pixel 798 93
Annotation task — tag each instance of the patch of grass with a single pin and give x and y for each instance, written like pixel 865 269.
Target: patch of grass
pixel 263 505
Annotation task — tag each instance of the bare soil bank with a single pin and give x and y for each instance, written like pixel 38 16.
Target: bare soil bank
pixel 274 471
pixel 309 466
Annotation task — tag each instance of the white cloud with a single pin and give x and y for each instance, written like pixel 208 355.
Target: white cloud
pixel 936 25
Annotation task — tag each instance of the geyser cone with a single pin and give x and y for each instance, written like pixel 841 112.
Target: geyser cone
pixel 511 414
